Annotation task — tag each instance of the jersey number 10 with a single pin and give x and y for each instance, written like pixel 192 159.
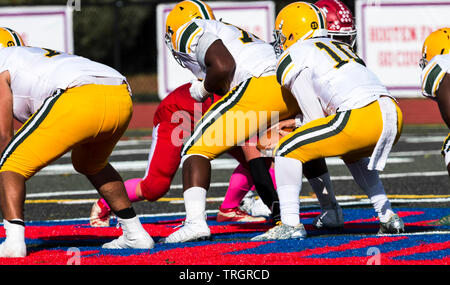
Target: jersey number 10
pixel 344 48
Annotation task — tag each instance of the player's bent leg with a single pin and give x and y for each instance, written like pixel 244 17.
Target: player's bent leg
pixel 26 153
pixel 230 211
pixel 101 212
pixel 331 217
pixel 370 182
pixel 288 173
pixel 110 186
pixel 345 134
pixel 163 162
pixel 12 197
pixel 90 157
pixel 216 133
pixel 195 226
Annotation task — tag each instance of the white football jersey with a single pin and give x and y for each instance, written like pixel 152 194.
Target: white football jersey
pixel 339 77
pixel 253 56
pixel 433 73
pixel 37 73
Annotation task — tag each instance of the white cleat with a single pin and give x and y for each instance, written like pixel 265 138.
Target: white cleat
pixel 282 231
pixel 189 231
pixel 13 249
pixel 254 206
pixel 133 236
pixel 14 244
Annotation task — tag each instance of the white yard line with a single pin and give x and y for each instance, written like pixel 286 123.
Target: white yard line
pixel 141 165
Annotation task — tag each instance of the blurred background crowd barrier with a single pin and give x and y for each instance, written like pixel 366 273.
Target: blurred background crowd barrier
pixel 119 33
pixel 129 35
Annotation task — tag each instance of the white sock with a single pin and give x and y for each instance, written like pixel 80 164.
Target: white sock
pixel 195 204
pixel 324 191
pixel 288 174
pixel 370 183
pixel 131 226
pixel 290 207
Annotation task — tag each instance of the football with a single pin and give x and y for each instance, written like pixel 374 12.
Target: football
pixel 269 139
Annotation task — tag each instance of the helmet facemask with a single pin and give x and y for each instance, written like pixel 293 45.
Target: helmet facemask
pixel 182 13
pixel 346 37
pixel 423 61
pixel 279 41
pixel 168 40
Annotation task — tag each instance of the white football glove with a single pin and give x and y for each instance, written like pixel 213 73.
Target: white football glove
pixel 299 120
pixel 198 91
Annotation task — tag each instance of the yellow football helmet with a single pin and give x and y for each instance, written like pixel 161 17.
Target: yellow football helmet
pixel 298 21
pixel 438 42
pixel 181 14
pixel 9 38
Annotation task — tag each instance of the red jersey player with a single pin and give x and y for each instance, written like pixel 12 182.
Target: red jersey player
pixel 173 122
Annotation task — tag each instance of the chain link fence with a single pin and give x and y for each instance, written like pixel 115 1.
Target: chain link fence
pixel 121 34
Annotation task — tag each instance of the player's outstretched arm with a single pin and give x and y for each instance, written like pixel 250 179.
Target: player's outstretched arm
pixel 220 67
pixel 443 99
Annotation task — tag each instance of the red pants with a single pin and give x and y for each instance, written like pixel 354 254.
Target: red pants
pixel 164 160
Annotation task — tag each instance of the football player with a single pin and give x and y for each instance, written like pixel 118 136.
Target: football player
pixel 435 64
pixel 361 118
pixel 65 102
pixel 340 26
pixel 173 122
pixel 235 64
pixel 340 21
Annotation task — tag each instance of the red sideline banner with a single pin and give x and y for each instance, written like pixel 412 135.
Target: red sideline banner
pixel 415 111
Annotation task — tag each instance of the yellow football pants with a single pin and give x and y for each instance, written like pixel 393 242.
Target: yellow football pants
pixel 351 135
pixel 89 120
pixel 243 112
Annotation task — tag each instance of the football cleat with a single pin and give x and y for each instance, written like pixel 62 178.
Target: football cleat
pixel 254 206
pixel 189 231
pixel 444 221
pixel 133 236
pixel 394 225
pixel 331 219
pixel 14 244
pixel 100 215
pixel 282 231
pixel 13 249
pixel 236 215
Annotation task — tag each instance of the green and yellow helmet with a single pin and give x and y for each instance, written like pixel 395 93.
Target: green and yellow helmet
pixel 298 21
pixel 438 42
pixel 184 12
pixel 9 38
